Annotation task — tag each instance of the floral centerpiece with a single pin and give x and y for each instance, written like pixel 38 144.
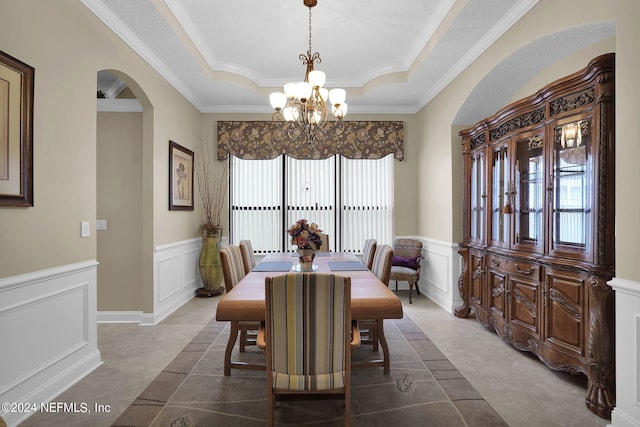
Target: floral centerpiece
pixel 306 236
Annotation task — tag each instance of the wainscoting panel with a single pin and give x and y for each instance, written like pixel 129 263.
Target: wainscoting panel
pixel 48 333
pixel 176 278
pixel 627 410
pixel 439 273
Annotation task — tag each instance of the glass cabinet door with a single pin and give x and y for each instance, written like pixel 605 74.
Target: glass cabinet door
pixel 478 195
pixel 572 176
pixel 528 193
pixel 500 208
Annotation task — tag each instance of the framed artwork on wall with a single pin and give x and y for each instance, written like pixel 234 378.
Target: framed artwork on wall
pixel 16 132
pixel 180 178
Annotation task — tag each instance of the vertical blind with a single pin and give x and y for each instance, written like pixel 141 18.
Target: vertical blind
pixel 350 200
pixel 311 194
pixel 367 202
pixel 256 200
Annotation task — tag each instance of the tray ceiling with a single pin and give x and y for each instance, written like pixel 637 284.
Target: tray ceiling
pixel 392 56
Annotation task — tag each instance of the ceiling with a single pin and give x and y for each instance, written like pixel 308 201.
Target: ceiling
pixel 392 56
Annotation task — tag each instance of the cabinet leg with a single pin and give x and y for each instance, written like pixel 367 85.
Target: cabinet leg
pixel 599 399
pixel 464 310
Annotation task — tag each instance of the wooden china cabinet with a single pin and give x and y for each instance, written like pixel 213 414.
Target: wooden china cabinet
pixel 538 245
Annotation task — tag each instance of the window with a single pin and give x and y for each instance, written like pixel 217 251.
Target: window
pixel 351 200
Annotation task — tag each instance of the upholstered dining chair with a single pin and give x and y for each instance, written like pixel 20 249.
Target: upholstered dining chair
pixel 381 267
pixel 406 263
pixel 368 251
pixel 381 264
pixel 308 337
pixel 233 272
pixel 248 259
pixel 324 247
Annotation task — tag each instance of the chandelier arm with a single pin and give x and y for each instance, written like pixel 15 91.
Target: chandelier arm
pixel 332 130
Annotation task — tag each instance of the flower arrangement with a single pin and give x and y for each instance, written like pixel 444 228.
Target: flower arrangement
pixel 303 234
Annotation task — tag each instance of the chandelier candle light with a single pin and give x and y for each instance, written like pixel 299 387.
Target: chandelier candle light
pixel 302 108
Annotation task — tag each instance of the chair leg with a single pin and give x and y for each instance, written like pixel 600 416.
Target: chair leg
pixel 233 336
pixel 347 408
pixel 396 286
pixel 271 408
pixel 417 288
pixel 243 340
pixel 385 346
pixel 410 289
pixel 374 339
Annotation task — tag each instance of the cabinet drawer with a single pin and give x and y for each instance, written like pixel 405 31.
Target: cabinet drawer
pixel 512 266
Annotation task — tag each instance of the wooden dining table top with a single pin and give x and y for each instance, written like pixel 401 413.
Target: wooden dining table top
pixel 370 298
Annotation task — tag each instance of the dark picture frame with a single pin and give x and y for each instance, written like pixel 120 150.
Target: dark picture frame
pixel 180 177
pixel 16 132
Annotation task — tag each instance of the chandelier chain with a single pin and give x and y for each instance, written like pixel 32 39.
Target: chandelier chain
pixel 309 30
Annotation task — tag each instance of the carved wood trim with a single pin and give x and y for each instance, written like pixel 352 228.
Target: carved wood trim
pixel 478 140
pixel 572 101
pixel 526 302
pixel 525 120
pixel 561 300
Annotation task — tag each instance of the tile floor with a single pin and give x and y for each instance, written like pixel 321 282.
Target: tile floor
pixel 520 387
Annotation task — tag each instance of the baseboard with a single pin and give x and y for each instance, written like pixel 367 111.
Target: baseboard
pixel 119 316
pixel 621 419
pixel 177 300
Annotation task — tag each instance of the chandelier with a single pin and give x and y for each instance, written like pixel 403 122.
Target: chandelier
pixel 302 108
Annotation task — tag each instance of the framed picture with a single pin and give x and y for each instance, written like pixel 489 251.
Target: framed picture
pixel 16 132
pixel 180 178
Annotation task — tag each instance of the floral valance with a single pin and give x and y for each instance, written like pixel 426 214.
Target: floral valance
pixel 261 140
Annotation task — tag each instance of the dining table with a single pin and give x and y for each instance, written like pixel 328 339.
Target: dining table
pixel 371 300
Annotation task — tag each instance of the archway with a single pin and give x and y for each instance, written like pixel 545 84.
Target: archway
pixel 124 211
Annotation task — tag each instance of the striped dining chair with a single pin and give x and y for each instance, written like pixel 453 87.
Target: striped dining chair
pixel 233 272
pixel 381 267
pixel 368 251
pixel 232 266
pixel 324 247
pixel 248 259
pixel 308 336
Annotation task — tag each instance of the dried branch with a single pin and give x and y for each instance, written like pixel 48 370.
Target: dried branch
pixel 212 193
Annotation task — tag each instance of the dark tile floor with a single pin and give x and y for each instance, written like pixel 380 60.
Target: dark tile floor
pixel 522 390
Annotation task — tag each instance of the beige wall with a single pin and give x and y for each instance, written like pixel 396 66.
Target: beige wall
pixel 440 146
pixel 119 202
pixel 627 140
pixel 66 61
pixel 78 45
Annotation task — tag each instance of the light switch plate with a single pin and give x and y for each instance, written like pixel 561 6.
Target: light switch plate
pixel 84 232
pixel 101 224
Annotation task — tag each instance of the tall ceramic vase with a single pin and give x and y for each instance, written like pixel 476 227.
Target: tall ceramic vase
pixel 305 258
pixel 210 265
